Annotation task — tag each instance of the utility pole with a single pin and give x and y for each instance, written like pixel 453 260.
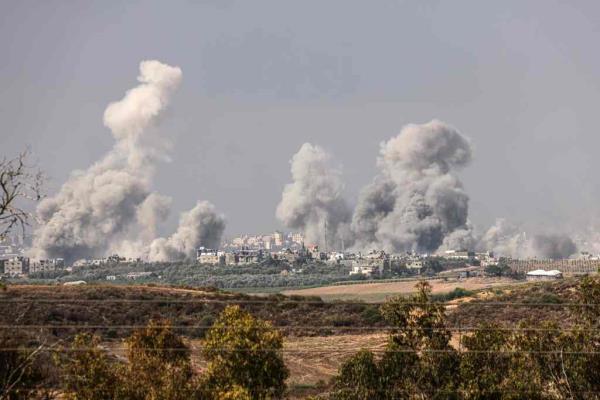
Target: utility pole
pixel 325 226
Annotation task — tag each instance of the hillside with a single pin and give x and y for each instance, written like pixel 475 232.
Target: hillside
pixel 113 311
pixel 509 306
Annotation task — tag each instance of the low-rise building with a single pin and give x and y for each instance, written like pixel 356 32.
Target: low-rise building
pixel 365 270
pixel 16 266
pixel 486 259
pixel 248 256
pixel 209 256
pixel 543 275
pixel 46 265
pixel 415 265
pixel 458 254
pixel 74 283
pixel 369 267
pixel 231 258
pixel 138 275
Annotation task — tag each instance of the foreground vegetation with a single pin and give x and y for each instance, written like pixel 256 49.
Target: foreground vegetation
pixel 426 356
pixel 533 360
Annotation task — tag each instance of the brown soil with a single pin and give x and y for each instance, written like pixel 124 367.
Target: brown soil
pixel 376 292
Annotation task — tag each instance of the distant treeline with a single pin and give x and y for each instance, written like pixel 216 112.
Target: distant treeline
pixel 267 274
pixel 225 277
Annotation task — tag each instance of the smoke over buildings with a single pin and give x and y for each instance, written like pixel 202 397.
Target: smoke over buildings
pixel 505 239
pixel 416 202
pixel 553 246
pixel 508 240
pixel 313 202
pixel 110 206
pixel 201 226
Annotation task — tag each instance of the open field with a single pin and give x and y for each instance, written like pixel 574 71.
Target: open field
pixel 312 361
pixel 377 292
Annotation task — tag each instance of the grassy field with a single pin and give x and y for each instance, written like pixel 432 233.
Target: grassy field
pixel 378 292
pixel 312 361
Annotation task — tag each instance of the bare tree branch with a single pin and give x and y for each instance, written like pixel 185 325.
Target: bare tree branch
pixel 20 185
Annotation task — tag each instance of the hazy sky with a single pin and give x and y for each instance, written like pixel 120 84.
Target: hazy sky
pixel 520 78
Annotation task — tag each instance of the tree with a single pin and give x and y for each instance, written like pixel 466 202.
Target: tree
pixel 418 361
pixel 22 366
pixel 589 296
pixel 233 393
pixel 432 266
pixel 359 378
pixel 18 182
pixel 158 368
pixel 89 374
pixel 419 358
pixel 480 364
pixel 159 365
pixel 500 269
pixel 244 353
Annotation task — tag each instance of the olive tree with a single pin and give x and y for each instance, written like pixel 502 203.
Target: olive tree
pixel 244 355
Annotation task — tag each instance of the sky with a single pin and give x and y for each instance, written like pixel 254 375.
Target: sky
pixel 520 78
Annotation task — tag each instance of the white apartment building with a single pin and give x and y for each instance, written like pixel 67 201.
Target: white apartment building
pixel 16 266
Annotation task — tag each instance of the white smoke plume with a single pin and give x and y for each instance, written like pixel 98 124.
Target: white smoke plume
pixel 313 203
pixel 201 226
pixel 416 202
pixel 110 206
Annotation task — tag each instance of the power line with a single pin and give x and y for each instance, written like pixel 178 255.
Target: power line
pixel 289 302
pixel 304 351
pixel 332 327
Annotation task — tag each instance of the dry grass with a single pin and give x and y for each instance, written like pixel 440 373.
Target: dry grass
pixel 314 359
pixel 376 292
pixel 310 359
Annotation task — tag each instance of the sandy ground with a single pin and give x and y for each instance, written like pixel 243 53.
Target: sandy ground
pixel 374 292
pixel 314 359
pixel 310 359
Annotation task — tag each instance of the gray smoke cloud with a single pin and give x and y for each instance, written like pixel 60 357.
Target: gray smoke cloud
pixel 314 200
pixel 201 226
pixel 416 203
pixel 553 246
pixel 110 207
pixel 508 240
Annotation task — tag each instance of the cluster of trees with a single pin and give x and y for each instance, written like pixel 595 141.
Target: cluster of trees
pixel 243 358
pixel 226 277
pixel 534 361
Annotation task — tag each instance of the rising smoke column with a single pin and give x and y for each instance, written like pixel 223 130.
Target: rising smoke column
pixel 313 203
pixel 416 202
pixel 201 226
pixel 99 208
pixel 506 240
